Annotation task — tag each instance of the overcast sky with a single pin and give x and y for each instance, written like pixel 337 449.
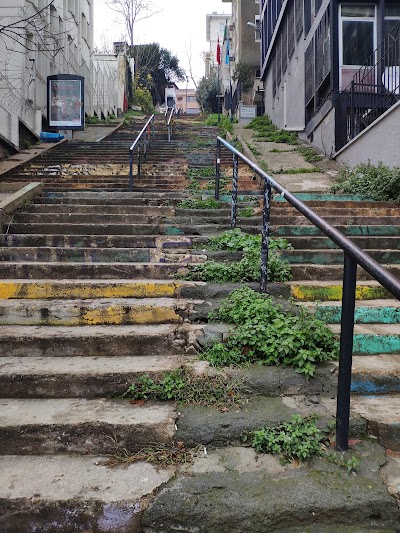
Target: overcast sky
pixel 181 23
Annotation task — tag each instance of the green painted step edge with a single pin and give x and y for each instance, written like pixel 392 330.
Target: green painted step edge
pixel 355 231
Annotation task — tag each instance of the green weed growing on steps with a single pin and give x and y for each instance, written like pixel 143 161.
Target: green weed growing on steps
pixel 197 203
pixel 248 268
pixel 236 240
pixel 246 212
pixel 183 386
pixel 265 130
pixel 201 172
pixel 297 170
pixel 225 125
pixel 267 334
pixel 299 440
pixel 376 182
pixel 310 154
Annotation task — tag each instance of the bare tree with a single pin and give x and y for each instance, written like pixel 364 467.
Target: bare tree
pixel 32 29
pixel 189 60
pixel 132 11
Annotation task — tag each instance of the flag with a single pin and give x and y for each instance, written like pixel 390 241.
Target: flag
pixel 227 52
pixel 218 53
pixel 226 31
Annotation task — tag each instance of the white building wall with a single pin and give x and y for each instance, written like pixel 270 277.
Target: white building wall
pixel 25 62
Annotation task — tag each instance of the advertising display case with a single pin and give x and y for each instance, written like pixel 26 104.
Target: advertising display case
pixel 65 102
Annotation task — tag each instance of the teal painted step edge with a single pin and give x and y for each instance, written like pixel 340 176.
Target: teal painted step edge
pixel 370 344
pixel 352 231
pixel 312 197
pixel 362 315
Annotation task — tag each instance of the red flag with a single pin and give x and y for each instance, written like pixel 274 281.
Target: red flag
pixel 218 53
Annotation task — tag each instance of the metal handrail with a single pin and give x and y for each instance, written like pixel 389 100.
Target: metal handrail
pixel 170 122
pixel 353 256
pixel 147 129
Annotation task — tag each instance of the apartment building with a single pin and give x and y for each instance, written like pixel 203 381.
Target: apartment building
pixel 56 38
pixel 331 72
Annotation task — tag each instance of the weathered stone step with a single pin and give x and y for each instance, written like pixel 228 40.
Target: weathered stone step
pixel 382 414
pixel 79 377
pixel 332 290
pixel 372 339
pixel 97 229
pixel 43 270
pixel 64 341
pixel 376 375
pixel 310 271
pixel 93 288
pixel 180 242
pixel 159 210
pixel 108 311
pixel 94 255
pixel 74 492
pixel 320 242
pixel 373 230
pixel 31 426
pixel 335 257
pixel 379 311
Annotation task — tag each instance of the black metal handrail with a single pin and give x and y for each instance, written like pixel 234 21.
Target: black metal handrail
pixel 148 132
pixel 353 256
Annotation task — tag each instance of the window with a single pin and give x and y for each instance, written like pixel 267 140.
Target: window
pixel 191 99
pixel 299 18
pixel 358 34
pixel 257 22
pixel 84 26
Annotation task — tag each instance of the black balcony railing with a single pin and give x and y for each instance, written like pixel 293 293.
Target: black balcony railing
pixel 373 90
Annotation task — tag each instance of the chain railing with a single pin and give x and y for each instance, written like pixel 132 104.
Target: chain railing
pixel 353 256
pixel 143 139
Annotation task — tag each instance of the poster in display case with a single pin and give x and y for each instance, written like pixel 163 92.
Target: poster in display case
pixel 65 102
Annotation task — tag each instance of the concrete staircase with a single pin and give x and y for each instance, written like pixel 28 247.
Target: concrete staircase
pixel 89 300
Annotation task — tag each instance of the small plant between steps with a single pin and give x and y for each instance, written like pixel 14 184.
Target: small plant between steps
pixel 269 335
pixel 376 182
pixel 197 203
pixel 248 268
pixel 300 440
pixel 267 131
pixel 183 386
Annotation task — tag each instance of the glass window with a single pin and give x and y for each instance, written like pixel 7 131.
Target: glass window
pixel 358 41
pixel 392 11
pixel 358 11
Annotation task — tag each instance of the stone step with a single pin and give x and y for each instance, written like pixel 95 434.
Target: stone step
pixel 81 492
pixel 102 255
pixel 382 414
pixel 98 241
pixel 79 377
pixel 74 492
pixel 310 271
pixel 93 288
pixel 319 242
pixel 372 339
pixel 335 257
pixel 377 311
pixel 78 426
pixel 157 210
pixel 43 270
pixel 108 311
pixel 376 375
pixel 369 230
pixel 120 341
pixel 332 290
pixel 97 229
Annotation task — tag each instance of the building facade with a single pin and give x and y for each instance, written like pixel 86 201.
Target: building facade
pixel 245 51
pixel 55 38
pixel 217 25
pixel 186 101
pixel 331 68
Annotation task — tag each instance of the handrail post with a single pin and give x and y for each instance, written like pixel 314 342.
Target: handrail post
pixel 217 170
pixel 145 152
pixel 346 353
pixel 265 237
pixel 138 161
pixel 234 190
pixel 152 129
pixel 352 110
pixel 130 170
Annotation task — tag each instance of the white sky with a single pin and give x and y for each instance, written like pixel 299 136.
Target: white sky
pixel 180 24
